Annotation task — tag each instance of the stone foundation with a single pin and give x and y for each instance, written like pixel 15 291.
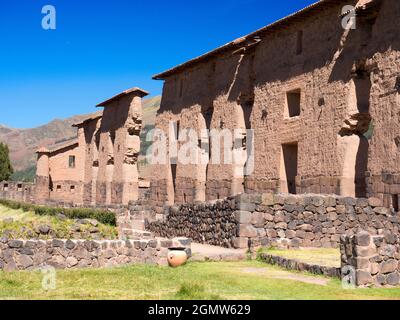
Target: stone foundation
pixel 210 223
pixel 308 220
pixel 253 220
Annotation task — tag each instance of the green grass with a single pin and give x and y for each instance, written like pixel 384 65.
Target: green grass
pixel 219 280
pixel 26 222
pixel 322 257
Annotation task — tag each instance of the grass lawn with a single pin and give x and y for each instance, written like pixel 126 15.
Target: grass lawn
pixel 208 280
pixel 25 223
pixel 322 257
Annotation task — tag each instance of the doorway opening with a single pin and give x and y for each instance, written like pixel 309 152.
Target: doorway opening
pixel 290 165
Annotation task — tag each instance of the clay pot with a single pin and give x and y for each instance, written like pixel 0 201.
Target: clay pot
pixel 177 258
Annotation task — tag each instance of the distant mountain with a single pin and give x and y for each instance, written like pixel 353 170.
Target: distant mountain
pixel 23 143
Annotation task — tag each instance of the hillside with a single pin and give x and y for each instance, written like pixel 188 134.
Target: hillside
pixel 23 143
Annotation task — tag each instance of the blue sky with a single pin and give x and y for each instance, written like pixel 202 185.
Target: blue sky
pixel 103 47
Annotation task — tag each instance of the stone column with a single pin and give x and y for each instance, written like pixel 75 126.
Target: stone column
pixel 130 174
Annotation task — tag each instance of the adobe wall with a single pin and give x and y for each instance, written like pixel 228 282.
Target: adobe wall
pixel 119 147
pixel 73 254
pixel 106 152
pixel 17 191
pixel 343 83
pixel 253 220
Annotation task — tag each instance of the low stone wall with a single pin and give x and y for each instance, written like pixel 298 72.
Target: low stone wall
pixel 253 220
pixel 385 187
pixel 71 254
pixel 211 223
pixel 309 220
pixel 292 264
pixel 369 260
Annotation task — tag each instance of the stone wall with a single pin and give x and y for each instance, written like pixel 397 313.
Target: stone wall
pixel 371 260
pixel 277 220
pixel 309 220
pixel 386 187
pixel 68 254
pixel 17 191
pixel 212 223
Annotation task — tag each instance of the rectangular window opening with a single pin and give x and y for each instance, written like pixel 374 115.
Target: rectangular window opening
pixel 290 158
pixel 299 46
pixel 71 162
pixel 293 103
pixel 395 202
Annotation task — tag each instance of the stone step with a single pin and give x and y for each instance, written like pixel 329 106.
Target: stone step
pixel 136 234
pixel 138 224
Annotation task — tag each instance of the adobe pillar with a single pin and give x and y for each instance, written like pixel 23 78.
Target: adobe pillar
pixel 42 188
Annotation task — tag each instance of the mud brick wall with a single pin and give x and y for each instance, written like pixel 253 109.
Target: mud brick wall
pixel 253 220
pixel 72 254
pixel 211 223
pixel 308 220
pixel 371 260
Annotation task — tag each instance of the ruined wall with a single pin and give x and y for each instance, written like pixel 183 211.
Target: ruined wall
pixel 278 220
pixel 17 191
pixel 369 260
pixel 342 133
pixel 309 220
pixel 73 254
pixel 211 223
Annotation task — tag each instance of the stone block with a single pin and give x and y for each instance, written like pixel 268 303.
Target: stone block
pixel 375 202
pixel 389 266
pixel 71 262
pixel 241 243
pixel 15 244
pixel 363 239
pixel 243 217
pixel 246 206
pixel 268 217
pixel 267 199
pixel 393 279
pixel 257 219
pixel 247 230
pixel 57 243
pixel 363 278
pixel 341 209
pixel 382 210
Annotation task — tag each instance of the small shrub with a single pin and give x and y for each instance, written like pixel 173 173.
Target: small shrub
pixel 103 216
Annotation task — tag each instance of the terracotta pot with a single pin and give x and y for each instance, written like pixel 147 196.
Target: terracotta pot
pixel 177 258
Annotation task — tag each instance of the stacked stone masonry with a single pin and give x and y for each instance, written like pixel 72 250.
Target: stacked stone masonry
pixel 72 254
pixel 211 223
pixel 253 220
pixel 370 260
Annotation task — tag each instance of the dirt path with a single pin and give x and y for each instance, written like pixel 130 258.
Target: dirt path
pixel 203 252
